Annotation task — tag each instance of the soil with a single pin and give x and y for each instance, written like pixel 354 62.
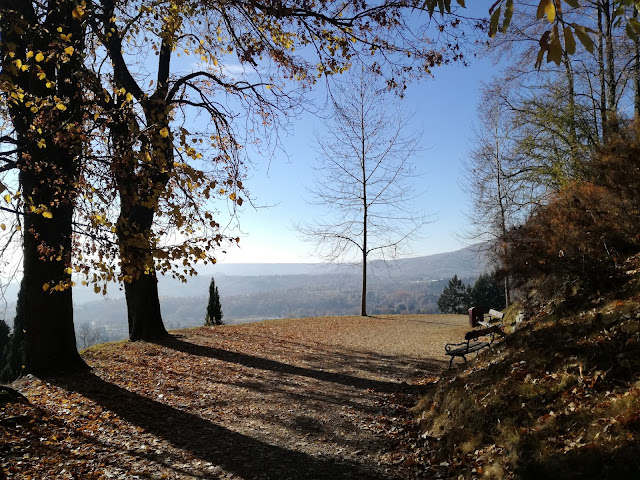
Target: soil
pixel 319 398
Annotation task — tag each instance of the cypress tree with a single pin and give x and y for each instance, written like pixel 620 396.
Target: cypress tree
pixel 214 309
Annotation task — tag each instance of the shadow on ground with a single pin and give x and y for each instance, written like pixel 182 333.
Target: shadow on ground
pixel 239 454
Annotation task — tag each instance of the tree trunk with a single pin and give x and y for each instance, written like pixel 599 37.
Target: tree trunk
pixel 45 318
pixel 363 303
pixel 143 309
pixel 636 72
pixel 576 165
pixel 138 197
pixel 44 340
pixel 601 74
pixel 141 284
pixel 611 74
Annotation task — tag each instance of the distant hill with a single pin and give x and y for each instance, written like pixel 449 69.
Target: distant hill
pixel 466 262
pixel 251 292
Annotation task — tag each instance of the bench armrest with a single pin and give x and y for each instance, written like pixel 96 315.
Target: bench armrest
pixel 452 346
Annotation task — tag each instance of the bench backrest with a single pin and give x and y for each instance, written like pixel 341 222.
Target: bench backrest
pixel 496 314
pixel 481 332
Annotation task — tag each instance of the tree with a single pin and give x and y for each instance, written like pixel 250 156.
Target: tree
pixel 157 171
pixel 42 45
pixel 5 340
pixel 455 298
pixel 488 292
pixel 214 309
pixel 491 176
pixel 88 335
pixel 363 179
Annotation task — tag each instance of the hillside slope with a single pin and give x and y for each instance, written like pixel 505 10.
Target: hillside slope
pixel 560 398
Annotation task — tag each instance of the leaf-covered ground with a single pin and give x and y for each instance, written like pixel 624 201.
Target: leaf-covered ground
pixel 290 399
pixel 559 399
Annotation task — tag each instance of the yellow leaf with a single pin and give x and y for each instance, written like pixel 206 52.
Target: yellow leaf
pixel 78 12
pixel 7 198
pixel 60 106
pixel 3 226
pixel 164 132
pixel 42 143
pixel 68 50
pixel 47 214
pixel 550 10
pixel 66 37
pixel 46 287
pixel 96 289
pixel 29 54
pixel 39 57
pixel 129 97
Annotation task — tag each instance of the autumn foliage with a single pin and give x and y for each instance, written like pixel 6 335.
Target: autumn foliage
pixel 586 229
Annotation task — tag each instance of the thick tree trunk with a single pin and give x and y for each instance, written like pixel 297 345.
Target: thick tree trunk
pixel 45 318
pixel 143 309
pixel 141 286
pixel 44 340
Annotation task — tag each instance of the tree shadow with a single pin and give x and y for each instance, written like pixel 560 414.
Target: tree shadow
pixel 262 363
pixel 236 453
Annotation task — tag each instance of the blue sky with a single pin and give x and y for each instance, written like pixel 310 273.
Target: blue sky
pixel 444 109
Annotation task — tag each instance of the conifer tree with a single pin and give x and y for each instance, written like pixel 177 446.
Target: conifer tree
pixel 214 309
pixel 488 292
pixel 455 297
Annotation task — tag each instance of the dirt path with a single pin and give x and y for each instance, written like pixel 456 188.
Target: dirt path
pixel 291 399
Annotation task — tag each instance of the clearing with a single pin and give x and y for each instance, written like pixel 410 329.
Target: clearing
pixel 284 399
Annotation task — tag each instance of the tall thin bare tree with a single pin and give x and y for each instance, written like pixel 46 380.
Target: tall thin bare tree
pixel 363 179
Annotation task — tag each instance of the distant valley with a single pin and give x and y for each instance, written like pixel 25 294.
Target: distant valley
pixel 252 292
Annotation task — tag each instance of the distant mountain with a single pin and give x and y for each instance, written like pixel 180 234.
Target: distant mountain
pixel 467 262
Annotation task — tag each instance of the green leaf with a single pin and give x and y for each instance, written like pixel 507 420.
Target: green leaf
pixel 555 47
pixel 493 24
pixel 619 11
pixel 540 58
pixel 507 15
pixel 569 41
pixel 584 37
pixel 635 25
pixel 631 32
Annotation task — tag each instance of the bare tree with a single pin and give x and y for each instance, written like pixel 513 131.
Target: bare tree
pixel 88 334
pixel 497 178
pixel 363 179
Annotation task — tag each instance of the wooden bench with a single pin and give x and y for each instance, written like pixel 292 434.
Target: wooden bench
pixel 491 317
pixel 471 343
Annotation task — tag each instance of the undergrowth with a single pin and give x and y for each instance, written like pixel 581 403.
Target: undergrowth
pixel 559 397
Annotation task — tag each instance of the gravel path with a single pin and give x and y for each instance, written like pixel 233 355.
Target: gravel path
pixel 315 398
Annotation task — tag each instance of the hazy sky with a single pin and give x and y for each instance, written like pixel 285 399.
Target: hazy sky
pixel 444 110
